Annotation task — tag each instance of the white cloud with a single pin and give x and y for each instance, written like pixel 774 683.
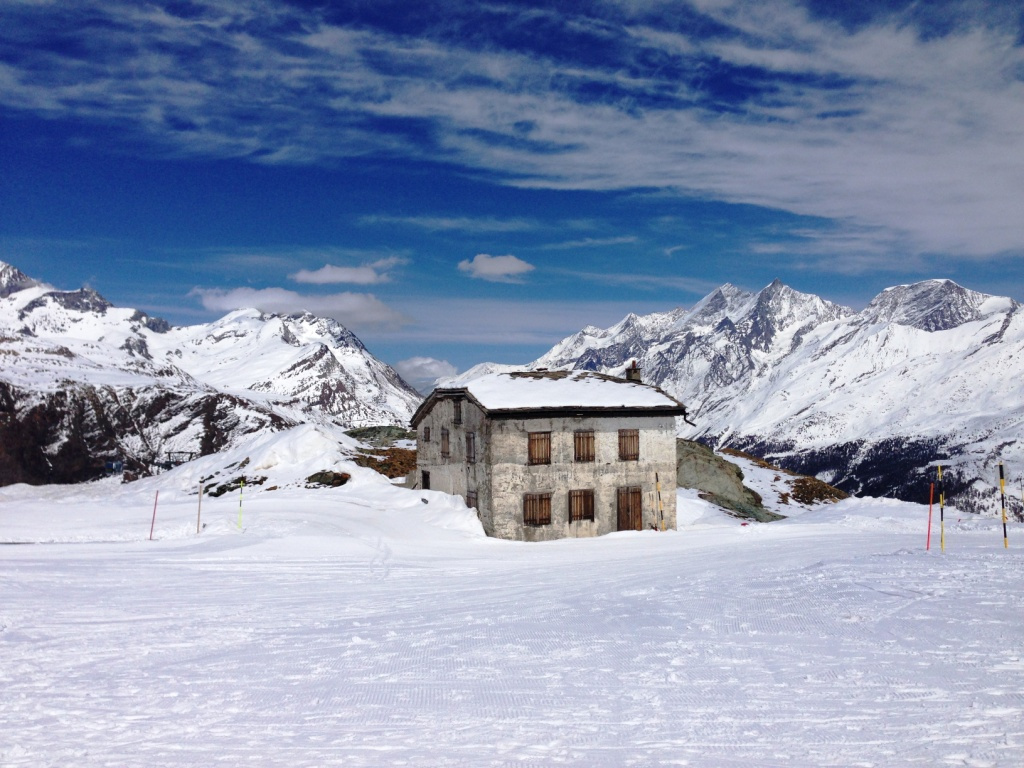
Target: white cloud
pixel 353 310
pixel 590 242
pixel 452 223
pixel 879 127
pixel 514 324
pixel 422 372
pixel 367 274
pixel 495 269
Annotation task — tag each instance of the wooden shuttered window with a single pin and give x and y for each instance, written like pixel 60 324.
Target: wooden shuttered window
pixel 581 505
pixel 426 434
pixel 583 445
pixel 457 405
pixel 539 448
pixel 471 447
pixel 536 509
pixel 629 445
pixel 446 448
pixel 471 500
pixel 630 508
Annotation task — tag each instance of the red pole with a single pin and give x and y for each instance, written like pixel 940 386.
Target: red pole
pixel 151 525
pixel 931 494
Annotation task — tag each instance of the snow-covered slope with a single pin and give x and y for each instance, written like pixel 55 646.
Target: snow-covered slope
pixel 865 400
pixel 83 381
pixel 361 627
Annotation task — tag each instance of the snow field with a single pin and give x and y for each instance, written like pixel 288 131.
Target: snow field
pixel 359 626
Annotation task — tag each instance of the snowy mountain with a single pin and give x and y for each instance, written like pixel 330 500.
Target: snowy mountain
pixel 84 382
pixel 864 400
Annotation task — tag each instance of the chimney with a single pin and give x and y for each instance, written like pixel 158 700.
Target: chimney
pixel 633 373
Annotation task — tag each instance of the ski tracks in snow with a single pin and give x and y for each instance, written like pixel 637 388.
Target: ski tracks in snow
pixel 744 650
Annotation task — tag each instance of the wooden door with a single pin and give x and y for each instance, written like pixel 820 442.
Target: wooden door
pixel 630 509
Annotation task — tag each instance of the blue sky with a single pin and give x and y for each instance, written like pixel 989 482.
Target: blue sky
pixel 473 181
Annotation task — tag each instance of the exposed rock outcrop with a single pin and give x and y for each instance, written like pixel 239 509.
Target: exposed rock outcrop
pixel 719 481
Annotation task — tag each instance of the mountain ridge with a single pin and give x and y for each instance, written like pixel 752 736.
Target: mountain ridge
pixel 864 400
pixel 85 382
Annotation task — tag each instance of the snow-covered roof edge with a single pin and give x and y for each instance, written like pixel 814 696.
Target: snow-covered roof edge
pixel 525 393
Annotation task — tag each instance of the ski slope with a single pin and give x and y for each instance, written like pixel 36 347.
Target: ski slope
pixel 360 626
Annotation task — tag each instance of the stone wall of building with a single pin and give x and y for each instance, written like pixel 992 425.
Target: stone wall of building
pixel 513 476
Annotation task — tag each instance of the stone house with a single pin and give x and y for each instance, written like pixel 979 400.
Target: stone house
pixel 548 454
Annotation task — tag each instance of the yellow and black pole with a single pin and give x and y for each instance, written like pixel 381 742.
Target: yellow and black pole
pixel 1002 496
pixel 942 511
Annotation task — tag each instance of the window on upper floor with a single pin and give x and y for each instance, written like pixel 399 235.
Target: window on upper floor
pixel 536 509
pixel 471 447
pixel 583 445
pixel 629 444
pixel 426 434
pixel 457 419
pixel 539 447
pixel 446 449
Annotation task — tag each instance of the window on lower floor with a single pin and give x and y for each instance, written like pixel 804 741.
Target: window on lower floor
pixel 425 481
pixel 581 505
pixel 629 445
pixel 446 448
pixel 471 500
pixel 583 445
pixel 536 509
pixel 539 447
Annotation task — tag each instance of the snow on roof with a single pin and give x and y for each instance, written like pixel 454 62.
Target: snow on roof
pixel 564 389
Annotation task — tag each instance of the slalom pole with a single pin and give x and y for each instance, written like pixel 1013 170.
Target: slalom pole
pixel 661 508
pixel 153 524
pixel 1002 496
pixel 942 510
pixel 241 488
pixel 199 513
pixel 928 539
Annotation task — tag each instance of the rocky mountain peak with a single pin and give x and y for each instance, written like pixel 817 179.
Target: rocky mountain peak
pixel 13 280
pixel 84 300
pixel 930 305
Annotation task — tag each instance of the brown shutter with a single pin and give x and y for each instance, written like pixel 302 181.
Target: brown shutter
pixel 581 505
pixel 583 445
pixel 539 448
pixel 629 444
pixel 536 509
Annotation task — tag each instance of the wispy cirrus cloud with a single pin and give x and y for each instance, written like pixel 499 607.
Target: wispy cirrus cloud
pixel 520 324
pixel 590 242
pixel 887 123
pixel 496 269
pixel 483 224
